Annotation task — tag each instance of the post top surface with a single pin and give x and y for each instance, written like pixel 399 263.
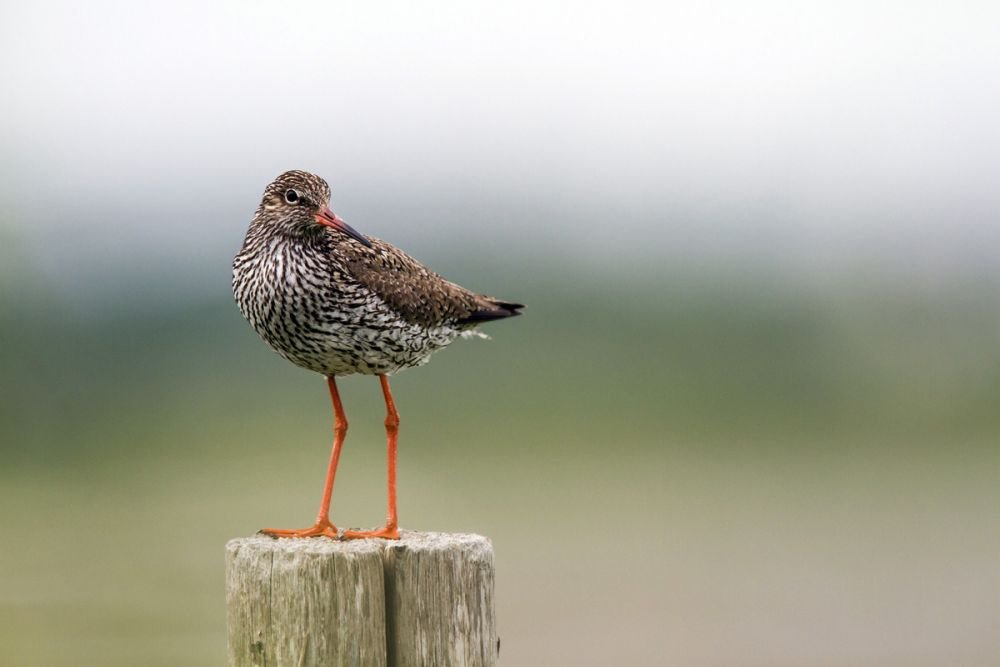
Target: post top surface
pixel 410 540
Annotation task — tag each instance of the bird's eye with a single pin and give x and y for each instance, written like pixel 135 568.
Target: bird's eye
pixel 291 196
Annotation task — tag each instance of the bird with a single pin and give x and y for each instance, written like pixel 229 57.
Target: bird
pixel 334 301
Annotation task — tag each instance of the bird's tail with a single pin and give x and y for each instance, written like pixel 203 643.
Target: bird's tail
pixel 492 309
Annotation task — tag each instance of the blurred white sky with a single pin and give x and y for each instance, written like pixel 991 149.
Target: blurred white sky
pixel 814 128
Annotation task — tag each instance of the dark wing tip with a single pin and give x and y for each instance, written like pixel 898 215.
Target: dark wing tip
pixel 498 310
pixel 507 305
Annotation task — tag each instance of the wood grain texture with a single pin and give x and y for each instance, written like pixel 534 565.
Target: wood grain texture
pixel 305 602
pixel 439 601
pixel 426 599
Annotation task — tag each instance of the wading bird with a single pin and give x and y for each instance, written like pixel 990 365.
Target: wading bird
pixel 336 302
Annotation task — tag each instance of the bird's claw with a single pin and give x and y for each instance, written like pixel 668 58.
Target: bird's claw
pixel 321 528
pixel 385 533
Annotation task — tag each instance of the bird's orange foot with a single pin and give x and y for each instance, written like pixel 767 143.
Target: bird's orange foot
pixel 386 533
pixel 322 528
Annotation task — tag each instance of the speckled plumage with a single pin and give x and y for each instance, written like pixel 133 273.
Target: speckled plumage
pixel 329 303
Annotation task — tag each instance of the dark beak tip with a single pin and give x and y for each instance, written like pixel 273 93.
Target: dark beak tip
pixel 330 219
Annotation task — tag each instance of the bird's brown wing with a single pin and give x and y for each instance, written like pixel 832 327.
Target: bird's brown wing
pixel 416 293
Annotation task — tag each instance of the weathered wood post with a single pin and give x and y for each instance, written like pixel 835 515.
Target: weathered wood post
pixel 426 599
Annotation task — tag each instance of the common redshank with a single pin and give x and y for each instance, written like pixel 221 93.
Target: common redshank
pixel 336 302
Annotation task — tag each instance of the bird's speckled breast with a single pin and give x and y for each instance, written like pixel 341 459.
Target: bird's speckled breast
pixel 307 307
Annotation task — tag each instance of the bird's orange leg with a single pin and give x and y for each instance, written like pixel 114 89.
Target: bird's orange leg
pixel 323 525
pixel 391 529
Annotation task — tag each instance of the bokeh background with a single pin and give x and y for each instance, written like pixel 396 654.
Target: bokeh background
pixel 750 415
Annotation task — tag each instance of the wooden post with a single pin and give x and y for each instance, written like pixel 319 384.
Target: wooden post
pixel 426 599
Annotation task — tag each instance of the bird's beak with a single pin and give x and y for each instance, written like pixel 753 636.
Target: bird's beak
pixel 331 219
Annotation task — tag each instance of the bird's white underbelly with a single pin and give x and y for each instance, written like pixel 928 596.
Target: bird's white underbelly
pixel 344 349
pixel 364 337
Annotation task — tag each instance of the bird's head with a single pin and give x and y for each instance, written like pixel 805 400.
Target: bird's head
pixel 298 200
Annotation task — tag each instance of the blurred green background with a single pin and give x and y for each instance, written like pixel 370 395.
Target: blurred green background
pixel 749 416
